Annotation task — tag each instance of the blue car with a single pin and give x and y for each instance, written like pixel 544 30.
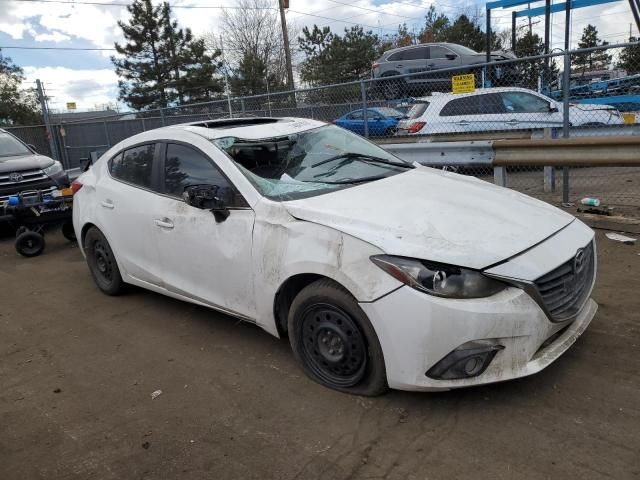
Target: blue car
pixel 381 121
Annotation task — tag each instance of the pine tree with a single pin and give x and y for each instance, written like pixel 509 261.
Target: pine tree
pixel 144 68
pixel 435 27
pixel 630 57
pixel 595 59
pixel 160 64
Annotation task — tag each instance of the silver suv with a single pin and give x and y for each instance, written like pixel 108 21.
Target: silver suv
pixel 429 58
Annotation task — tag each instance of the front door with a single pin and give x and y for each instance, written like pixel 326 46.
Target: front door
pixel 204 259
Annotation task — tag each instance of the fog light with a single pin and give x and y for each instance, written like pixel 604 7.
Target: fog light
pixel 466 361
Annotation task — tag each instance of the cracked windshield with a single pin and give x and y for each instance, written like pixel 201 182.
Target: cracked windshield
pixel 310 163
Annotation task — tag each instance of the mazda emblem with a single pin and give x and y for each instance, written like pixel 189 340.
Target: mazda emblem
pixel 15 177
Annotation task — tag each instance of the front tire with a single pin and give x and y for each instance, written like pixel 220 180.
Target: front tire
pixel 102 263
pixel 334 341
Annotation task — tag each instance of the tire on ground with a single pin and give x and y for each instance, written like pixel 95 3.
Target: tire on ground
pixel 29 244
pixel 102 263
pixel 370 379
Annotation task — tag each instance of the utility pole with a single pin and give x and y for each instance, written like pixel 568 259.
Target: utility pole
pixel 285 37
pixel 47 120
pixel 226 78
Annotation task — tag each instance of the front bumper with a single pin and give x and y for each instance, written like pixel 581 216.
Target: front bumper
pixel 417 330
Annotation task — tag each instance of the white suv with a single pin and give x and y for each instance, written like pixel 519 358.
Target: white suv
pixel 381 273
pixel 507 108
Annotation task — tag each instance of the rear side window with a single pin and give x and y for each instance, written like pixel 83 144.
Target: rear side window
pixel 394 57
pixel 356 115
pixel 417 110
pixel 440 52
pixel 185 166
pixel 474 105
pixel 134 165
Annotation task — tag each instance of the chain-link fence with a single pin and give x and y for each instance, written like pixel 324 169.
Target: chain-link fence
pixel 433 93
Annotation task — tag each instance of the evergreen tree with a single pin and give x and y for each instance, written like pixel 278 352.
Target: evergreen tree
pixel 630 57
pixel 403 38
pixel 161 64
pixel 530 45
pixel 252 77
pixel 332 58
pixel 18 106
pixel 593 60
pixel 435 27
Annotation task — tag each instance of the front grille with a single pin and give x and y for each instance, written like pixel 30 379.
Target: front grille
pixel 26 177
pixel 565 289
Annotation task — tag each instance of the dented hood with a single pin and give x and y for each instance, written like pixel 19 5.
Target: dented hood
pixel 435 215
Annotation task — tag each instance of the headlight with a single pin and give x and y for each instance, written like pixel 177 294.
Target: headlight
pixel 439 279
pixel 53 169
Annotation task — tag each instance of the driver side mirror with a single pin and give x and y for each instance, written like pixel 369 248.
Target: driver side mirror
pixel 209 197
pixel 553 109
pixel 451 56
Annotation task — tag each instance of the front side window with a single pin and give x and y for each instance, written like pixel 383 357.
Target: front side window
pixel 184 166
pixel 134 165
pixel 310 163
pixel 419 53
pixel 10 146
pixel 521 102
pixel 440 52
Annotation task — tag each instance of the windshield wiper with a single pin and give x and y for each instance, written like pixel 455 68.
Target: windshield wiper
pixel 357 180
pixel 363 157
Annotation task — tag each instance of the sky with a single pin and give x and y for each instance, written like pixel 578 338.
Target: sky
pixel 88 78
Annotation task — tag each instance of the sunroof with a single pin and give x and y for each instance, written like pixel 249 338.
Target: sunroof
pixel 234 122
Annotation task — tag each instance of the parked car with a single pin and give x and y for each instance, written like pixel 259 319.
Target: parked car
pixel 380 272
pixel 430 58
pixel 381 121
pixel 504 108
pixel 22 168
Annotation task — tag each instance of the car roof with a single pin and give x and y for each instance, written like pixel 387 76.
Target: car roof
pixel 479 91
pixel 408 47
pixel 250 128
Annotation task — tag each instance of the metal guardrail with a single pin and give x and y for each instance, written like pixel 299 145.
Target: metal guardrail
pixel 562 152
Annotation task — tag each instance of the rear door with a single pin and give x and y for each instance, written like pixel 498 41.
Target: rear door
pixel 473 113
pixel 125 198
pixel 203 259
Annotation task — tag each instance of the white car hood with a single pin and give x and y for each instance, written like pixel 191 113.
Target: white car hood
pixel 435 215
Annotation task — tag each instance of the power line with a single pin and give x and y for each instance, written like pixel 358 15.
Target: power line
pixel 15 47
pixel 116 4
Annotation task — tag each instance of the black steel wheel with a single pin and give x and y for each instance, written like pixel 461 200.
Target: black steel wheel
pixel 102 263
pixel 68 232
pixel 332 346
pixel 30 244
pixel 334 341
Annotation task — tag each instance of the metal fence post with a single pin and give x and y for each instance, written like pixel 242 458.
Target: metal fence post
pixel 106 134
pixel 566 79
pixel 162 117
pixel 500 176
pixel 363 90
pixel 549 172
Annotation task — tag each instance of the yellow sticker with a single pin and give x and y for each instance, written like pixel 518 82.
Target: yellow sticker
pixel 463 83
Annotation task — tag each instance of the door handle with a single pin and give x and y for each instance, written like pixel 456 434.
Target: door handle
pixel 164 223
pixel 107 204
pixel 398 66
pixel 462 123
pixel 513 121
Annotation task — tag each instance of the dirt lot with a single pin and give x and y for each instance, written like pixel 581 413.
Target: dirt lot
pixel 77 370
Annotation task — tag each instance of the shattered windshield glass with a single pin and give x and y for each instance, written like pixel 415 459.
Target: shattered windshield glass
pixel 310 163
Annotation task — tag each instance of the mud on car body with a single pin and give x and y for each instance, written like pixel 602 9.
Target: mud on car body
pixel 380 272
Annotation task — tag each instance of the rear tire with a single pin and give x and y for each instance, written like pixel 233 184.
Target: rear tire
pixel 30 244
pixel 68 232
pixel 102 263
pixel 333 340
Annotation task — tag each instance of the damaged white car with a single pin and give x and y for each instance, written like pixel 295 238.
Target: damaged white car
pixel 382 273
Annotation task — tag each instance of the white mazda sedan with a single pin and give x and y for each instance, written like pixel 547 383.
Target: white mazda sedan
pixel 382 273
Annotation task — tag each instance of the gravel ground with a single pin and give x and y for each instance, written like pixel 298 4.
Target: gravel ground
pixel 77 370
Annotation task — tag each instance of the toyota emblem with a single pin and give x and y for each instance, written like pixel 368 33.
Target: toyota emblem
pixel 15 177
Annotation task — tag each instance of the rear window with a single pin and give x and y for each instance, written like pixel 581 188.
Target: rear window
pixel 474 105
pixel 134 165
